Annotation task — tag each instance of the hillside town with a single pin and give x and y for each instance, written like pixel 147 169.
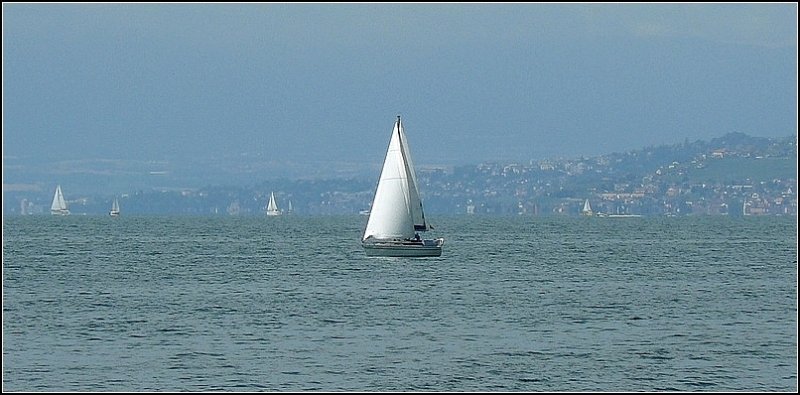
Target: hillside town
pixel 734 175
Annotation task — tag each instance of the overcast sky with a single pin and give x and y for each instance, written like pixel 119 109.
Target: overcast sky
pixel 473 82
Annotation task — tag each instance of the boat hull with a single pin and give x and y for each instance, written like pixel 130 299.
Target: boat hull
pixel 426 248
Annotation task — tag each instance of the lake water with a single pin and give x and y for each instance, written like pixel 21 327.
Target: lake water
pixel 293 304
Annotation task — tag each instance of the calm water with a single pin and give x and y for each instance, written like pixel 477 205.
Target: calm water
pixel 293 304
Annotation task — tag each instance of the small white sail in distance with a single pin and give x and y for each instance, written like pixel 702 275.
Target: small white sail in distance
pixel 272 207
pixel 114 208
pixel 59 206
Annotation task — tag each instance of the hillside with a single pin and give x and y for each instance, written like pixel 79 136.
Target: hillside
pixel 715 177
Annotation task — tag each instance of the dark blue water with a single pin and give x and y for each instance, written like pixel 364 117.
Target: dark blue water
pixel 293 304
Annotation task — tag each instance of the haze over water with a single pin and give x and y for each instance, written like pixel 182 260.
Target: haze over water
pixel 292 83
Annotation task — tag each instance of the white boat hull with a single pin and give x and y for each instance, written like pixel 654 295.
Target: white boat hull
pixel 426 248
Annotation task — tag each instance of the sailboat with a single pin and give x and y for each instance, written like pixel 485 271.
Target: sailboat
pixel 59 206
pixel 587 209
pixel 114 208
pixel 272 207
pixel 396 213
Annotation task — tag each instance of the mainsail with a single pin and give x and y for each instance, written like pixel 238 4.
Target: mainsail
pixel 417 214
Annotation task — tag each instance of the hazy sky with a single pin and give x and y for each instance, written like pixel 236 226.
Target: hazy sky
pixel 473 82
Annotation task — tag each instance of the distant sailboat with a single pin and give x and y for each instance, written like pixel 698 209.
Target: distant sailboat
pixel 114 208
pixel 396 213
pixel 272 207
pixel 587 209
pixel 59 206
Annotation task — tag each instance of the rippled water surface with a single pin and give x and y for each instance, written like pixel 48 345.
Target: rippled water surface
pixel 293 304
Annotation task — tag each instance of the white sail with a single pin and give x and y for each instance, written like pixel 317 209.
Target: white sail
pixel 586 206
pixel 396 197
pixel 114 208
pixel 59 205
pixel 417 214
pixel 272 207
